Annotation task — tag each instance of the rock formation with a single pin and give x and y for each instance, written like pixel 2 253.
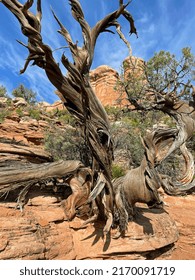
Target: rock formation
pixel 104 80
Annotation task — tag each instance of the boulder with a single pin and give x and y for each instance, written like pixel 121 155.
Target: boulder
pixel 19 102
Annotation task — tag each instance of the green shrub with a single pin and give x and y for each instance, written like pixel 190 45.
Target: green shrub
pixel 9 101
pixel 117 171
pixel 127 138
pixel 27 94
pixel 20 112
pixel 3 114
pixel 34 113
pixel 67 145
pixel 3 91
pixel 63 116
pixel 66 118
pixel 112 110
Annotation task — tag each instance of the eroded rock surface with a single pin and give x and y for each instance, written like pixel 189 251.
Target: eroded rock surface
pixel 104 80
pixel 181 209
pixel 40 232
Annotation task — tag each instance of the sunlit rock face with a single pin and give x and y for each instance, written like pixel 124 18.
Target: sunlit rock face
pixel 104 80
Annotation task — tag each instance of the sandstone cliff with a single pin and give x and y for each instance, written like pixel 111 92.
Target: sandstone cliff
pixel 104 80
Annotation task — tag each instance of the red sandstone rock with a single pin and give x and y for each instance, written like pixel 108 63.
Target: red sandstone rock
pixel 57 105
pixel 40 232
pixel 103 80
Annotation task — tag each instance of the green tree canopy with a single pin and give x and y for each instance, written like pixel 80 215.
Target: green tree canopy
pixel 27 94
pixel 162 75
pixel 3 91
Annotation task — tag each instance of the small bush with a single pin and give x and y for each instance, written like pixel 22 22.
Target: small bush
pixel 67 145
pixel 3 91
pixel 117 171
pixel 63 116
pixel 127 138
pixel 114 112
pixel 20 112
pixel 3 114
pixel 28 95
pixel 35 113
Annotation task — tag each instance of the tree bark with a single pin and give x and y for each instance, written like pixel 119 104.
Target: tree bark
pixel 17 176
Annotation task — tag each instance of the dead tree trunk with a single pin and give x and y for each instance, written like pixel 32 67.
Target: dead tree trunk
pixel 141 184
pixel 166 141
pixel 162 142
pixel 74 89
pixel 12 177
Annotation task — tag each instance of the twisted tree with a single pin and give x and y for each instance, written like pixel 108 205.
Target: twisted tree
pixel 150 88
pixel 165 84
pixel 93 184
pixel 74 89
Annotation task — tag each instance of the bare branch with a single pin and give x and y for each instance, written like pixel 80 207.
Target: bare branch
pixel 130 19
pixel 64 32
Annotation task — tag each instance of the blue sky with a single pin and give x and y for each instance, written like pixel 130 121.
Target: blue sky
pixel 161 24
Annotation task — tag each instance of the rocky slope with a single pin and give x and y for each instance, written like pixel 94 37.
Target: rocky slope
pixel 41 231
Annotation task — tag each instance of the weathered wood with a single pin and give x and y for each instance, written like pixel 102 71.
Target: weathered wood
pixel 165 141
pixel 141 184
pixel 161 142
pixel 74 89
pixel 14 177
pixel 138 185
pixel 14 149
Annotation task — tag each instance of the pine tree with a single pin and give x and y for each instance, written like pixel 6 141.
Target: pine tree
pixel 28 95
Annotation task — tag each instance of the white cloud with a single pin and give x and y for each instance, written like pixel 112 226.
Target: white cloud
pixel 143 18
pixel 183 37
pixel 39 83
pixel 111 51
pixel 33 76
pixel 10 55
